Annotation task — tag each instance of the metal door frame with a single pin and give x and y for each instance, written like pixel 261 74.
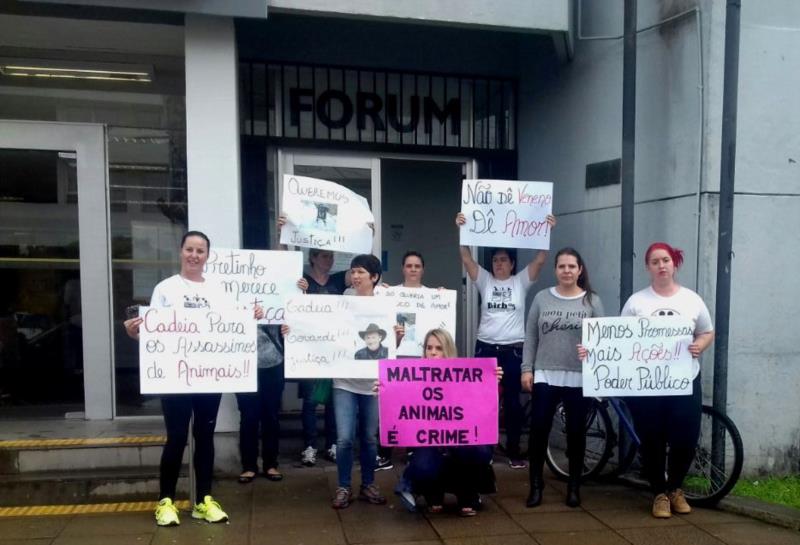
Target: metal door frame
pixel 88 142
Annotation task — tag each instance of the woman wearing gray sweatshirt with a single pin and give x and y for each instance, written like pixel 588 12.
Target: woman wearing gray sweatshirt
pixel 552 371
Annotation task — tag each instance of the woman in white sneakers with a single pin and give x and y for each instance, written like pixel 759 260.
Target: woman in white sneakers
pixel 188 289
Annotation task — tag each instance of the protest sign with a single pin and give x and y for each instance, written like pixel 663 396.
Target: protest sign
pixel 337 336
pixel 324 215
pixel 419 310
pixel 261 277
pixel 441 402
pixel 192 351
pixel 644 356
pixel 506 214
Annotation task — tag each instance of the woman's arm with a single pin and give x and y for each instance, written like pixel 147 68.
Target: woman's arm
pixel 535 266
pixel 466 255
pixel 530 346
pixel 281 223
pixel 701 342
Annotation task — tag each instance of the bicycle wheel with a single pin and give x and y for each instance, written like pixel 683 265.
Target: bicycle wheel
pixel 717 461
pixel 598 442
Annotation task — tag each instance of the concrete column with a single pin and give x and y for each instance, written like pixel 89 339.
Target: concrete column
pixel 212 143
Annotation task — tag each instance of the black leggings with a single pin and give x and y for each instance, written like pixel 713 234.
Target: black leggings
pixel 258 413
pixel 177 409
pixel 509 357
pixel 663 421
pixel 544 402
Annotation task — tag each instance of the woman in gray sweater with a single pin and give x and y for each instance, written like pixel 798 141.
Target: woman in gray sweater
pixel 552 371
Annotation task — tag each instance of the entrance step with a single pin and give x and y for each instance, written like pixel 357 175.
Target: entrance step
pixel 84 487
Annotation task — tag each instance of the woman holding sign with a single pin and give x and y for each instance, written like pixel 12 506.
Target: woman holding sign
pixel 432 470
pixel 669 421
pixel 501 331
pixel 551 368
pixel 188 289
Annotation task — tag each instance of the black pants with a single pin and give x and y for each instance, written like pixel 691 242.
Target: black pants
pixel 664 421
pixel 178 409
pixel 509 357
pixel 544 402
pixel 258 412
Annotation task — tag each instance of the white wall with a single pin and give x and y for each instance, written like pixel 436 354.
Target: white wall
pixel 550 15
pixel 764 360
pixel 572 116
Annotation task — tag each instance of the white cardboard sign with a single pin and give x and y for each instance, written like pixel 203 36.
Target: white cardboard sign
pixel 506 214
pixel 419 310
pixel 324 215
pixel 190 351
pixel 637 356
pixel 262 277
pixel 334 336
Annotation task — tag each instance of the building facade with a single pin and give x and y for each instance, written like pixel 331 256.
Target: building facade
pixel 123 123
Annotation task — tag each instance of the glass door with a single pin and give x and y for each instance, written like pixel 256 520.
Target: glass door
pixel 55 338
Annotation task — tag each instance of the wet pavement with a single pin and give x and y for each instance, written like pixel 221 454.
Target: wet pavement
pixel 297 511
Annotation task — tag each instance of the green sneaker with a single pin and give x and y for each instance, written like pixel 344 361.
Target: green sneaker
pixel 209 511
pixel 167 513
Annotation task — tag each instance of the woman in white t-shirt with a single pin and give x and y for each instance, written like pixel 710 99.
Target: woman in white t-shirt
pixel 501 331
pixel 188 289
pixel 669 421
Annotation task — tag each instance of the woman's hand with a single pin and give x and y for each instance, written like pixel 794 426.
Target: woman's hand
pixel 399 332
pixel 695 350
pixel 282 219
pixel 303 284
pixel 284 330
pixel 582 352
pixel 258 312
pixel 132 327
pixel 385 285
pixel 376 386
pixel 498 372
pixel 527 381
pixel 461 219
pixel 551 220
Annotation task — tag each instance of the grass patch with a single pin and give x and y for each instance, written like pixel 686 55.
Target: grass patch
pixel 780 490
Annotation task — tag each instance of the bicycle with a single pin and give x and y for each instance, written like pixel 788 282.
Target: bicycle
pixel 715 469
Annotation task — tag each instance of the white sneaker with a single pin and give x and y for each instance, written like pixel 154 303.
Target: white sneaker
pixel 309 456
pixel 330 454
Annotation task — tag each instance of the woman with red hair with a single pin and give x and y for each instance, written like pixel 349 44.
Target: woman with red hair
pixel 669 421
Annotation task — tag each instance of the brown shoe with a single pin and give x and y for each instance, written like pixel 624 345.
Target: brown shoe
pixel 661 508
pixel 677 502
pixel 372 494
pixel 341 500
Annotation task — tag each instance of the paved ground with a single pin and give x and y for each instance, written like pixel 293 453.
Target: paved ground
pixel 297 511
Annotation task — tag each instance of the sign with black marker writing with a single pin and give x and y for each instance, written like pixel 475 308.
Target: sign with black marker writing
pixel 419 310
pixel 338 336
pixel 324 215
pixel 506 214
pixel 637 356
pixel 256 277
pixel 190 350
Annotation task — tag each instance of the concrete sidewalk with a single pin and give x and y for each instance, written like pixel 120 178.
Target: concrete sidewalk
pixel 297 511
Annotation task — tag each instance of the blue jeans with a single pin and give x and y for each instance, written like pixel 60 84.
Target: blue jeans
pixel 352 409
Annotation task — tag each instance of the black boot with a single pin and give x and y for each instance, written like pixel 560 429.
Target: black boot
pixel 535 495
pixel 573 494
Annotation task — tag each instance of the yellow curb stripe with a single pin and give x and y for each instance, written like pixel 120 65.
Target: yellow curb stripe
pixel 82 509
pixel 83 442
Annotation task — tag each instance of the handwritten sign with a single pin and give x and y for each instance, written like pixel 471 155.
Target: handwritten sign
pixel 338 336
pixel 419 310
pixel 260 277
pixel 506 214
pixel 322 214
pixel 443 402
pixel 630 356
pixel 189 351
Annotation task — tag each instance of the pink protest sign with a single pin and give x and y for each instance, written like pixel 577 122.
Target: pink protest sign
pixel 438 402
